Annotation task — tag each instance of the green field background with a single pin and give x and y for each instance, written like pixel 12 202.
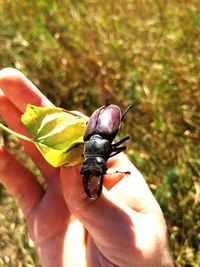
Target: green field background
pixel 84 54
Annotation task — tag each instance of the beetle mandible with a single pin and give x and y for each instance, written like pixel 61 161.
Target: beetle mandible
pixel 101 130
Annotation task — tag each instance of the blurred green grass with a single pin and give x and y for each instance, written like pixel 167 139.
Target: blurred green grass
pixel 84 54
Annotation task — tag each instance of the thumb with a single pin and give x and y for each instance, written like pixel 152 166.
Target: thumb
pixel 71 184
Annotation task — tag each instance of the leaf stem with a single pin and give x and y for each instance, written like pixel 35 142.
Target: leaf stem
pixel 15 133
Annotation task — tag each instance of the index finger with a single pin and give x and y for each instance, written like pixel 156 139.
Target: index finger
pixel 21 91
pixel 18 91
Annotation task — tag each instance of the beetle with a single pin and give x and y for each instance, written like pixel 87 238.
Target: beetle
pixel 101 130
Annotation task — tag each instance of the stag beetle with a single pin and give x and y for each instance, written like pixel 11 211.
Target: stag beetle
pixel 101 130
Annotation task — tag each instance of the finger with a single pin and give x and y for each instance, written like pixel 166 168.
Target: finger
pixel 132 188
pixel 20 91
pixel 115 171
pixel 12 116
pixel 19 182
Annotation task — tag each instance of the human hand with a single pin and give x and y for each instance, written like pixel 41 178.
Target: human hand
pixel 124 227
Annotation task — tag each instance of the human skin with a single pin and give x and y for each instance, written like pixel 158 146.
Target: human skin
pixel 125 227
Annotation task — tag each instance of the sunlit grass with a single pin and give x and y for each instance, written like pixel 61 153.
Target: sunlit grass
pixel 84 54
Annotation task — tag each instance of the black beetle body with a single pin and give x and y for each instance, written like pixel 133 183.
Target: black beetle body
pixel 101 130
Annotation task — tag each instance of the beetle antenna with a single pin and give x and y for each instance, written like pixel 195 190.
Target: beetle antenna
pixel 126 110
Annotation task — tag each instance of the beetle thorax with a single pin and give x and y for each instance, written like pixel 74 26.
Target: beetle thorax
pixel 97 146
pixel 96 152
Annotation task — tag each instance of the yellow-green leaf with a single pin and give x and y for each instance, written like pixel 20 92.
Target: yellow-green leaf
pixel 56 157
pixel 57 133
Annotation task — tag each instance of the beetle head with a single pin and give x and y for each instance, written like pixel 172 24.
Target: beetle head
pixel 92 172
pixel 93 166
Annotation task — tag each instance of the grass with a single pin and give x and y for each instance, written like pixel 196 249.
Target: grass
pixel 84 54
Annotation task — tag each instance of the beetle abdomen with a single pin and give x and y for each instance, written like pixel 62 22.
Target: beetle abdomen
pixel 105 122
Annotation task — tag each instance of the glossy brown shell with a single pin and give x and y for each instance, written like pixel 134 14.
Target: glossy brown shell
pixel 105 122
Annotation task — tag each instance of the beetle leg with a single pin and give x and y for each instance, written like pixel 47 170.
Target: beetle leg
pixel 120 142
pixel 117 150
pixel 125 172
